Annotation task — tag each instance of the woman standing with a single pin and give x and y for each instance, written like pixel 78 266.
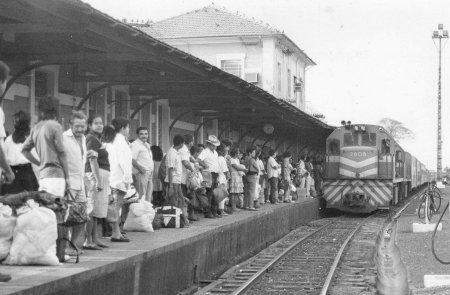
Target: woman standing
pixel 251 180
pixel 97 174
pixel 158 196
pixel 25 179
pixel 286 175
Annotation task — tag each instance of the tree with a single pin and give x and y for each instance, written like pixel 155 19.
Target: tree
pixel 396 129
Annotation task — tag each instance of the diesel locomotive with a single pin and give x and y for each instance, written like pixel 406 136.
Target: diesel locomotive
pixel 366 169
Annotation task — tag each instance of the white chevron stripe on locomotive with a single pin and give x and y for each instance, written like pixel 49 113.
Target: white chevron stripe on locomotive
pixel 371 172
pixel 345 172
pixel 356 164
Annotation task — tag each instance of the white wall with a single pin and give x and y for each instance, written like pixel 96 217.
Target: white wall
pixel 259 55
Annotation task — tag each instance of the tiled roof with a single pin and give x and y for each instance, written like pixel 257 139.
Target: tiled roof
pixel 209 21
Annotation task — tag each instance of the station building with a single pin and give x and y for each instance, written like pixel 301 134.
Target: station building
pixel 93 62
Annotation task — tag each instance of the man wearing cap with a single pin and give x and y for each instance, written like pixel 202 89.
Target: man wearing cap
pixel 209 160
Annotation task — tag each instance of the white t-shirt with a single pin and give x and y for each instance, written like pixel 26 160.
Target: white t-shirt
pixel 271 171
pixel 211 159
pixel 223 168
pixel 13 152
pixel 173 159
pixel 185 156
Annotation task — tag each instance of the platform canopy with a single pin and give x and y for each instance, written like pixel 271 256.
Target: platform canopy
pixel 94 47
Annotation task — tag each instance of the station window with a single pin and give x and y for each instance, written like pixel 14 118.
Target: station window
pixel 368 139
pixel 232 66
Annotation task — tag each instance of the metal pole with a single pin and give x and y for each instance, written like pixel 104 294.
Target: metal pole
pixel 439 34
pixel 439 142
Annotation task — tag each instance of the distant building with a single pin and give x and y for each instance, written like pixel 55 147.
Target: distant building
pixel 244 47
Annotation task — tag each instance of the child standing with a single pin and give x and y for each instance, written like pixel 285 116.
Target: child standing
pixel 236 184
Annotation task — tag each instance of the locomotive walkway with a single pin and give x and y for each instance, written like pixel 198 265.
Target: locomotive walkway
pixel 416 248
pixel 168 260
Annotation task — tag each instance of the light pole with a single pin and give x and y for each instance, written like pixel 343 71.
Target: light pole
pixel 439 35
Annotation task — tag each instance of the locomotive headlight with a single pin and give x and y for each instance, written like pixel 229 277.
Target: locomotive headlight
pixel 363 128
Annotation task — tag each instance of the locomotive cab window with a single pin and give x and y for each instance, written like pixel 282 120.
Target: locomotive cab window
pixel 350 139
pixel 368 139
pixel 385 145
pixel 334 147
pixel 399 156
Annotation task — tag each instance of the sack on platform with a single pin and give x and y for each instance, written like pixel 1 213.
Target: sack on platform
pixel 34 237
pixel 7 224
pixel 302 192
pixel 171 216
pixel 140 217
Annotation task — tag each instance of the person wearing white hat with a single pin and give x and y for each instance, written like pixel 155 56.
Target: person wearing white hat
pixel 209 160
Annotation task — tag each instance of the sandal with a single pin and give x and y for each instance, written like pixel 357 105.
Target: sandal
pixel 121 239
pixel 92 247
pixel 101 245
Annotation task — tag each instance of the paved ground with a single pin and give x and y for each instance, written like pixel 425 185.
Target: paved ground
pixel 416 247
pixel 158 241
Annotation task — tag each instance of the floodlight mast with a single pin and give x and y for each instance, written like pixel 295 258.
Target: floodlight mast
pixel 439 35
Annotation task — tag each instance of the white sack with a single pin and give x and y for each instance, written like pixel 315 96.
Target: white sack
pixel 140 217
pixel 34 237
pixel 7 224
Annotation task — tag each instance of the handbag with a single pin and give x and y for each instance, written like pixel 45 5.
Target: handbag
pixel 76 212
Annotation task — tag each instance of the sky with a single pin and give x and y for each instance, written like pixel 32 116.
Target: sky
pixel 375 59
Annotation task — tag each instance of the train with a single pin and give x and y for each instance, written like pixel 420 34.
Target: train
pixel 365 169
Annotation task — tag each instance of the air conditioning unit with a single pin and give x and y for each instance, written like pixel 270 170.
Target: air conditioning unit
pixel 252 77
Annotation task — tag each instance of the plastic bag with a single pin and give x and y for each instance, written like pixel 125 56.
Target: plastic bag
pixel 34 237
pixel 194 180
pixel 140 217
pixel 7 224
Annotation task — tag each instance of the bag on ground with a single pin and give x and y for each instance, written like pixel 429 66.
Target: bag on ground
pixel 7 224
pixel 140 217
pixel 34 237
pixel 171 216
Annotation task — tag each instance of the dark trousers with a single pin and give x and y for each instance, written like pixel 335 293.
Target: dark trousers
pixel 25 180
pixel 213 206
pixel 273 196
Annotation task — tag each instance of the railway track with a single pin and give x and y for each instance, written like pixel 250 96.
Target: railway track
pixel 328 256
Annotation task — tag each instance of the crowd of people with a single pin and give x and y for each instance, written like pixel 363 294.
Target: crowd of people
pixel 95 163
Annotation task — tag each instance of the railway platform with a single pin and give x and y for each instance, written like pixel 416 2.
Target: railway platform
pixel 416 249
pixel 166 261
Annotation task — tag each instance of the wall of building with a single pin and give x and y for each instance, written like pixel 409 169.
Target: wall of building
pixel 258 55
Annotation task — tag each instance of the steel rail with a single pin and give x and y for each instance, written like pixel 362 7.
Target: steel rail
pixel 250 281
pixel 336 261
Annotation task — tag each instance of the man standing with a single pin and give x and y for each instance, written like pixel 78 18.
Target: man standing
pixel 46 137
pixel 185 155
pixel 209 160
pixel 76 154
pixel 7 172
pixel 174 175
pixel 142 164
pixel 273 174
